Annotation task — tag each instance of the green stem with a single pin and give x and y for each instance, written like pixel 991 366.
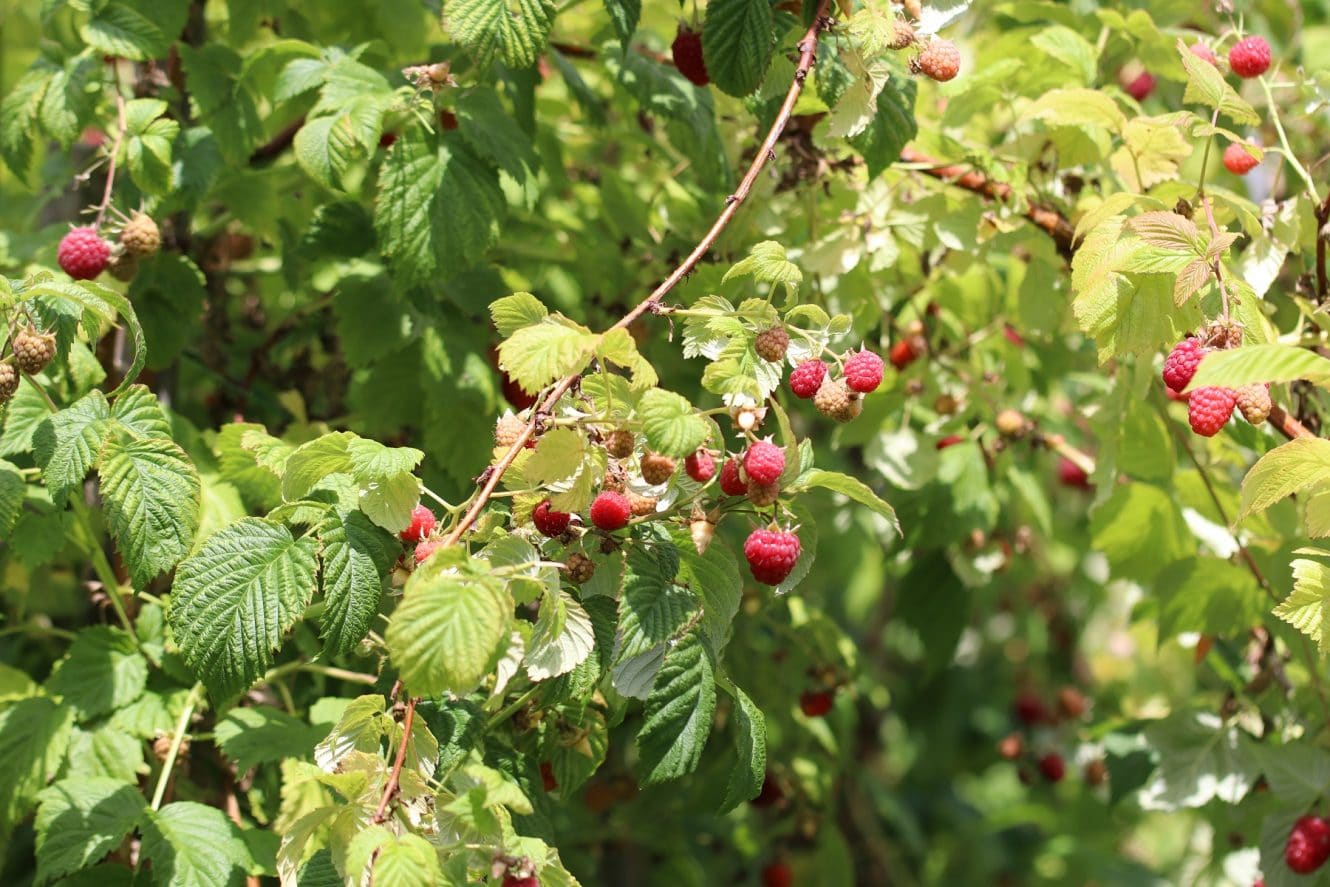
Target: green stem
pixel 177 739
pixel 1283 140
pixel 512 708
pixel 101 565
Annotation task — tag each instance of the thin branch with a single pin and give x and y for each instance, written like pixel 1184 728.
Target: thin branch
pixel 1216 266
pixel 388 790
pixel 1322 220
pixel 277 144
pixel 766 152
pixel 177 739
pixel 121 126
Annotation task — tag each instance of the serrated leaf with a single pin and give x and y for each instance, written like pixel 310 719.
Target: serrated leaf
pixel 261 735
pixel 715 578
pixel 34 734
pixel 138 409
pixel 737 43
pixel 152 496
pixel 1252 364
pixel 1167 230
pixel 534 356
pixel 750 746
pixel 892 128
pixel 652 608
pixel 766 262
pixel 1201 758
pixel 19 119
pixel 558 455
pixel 447 633
pixel 1190 280
pixel 101 672
pixel 235 599
pixel 671 424
pixel 150 137
pixel 1298 465
pixel 81 820
pixel 315 460
pixel 105 751
pixel 618 347
pixel 258 484
pixel 354 559
pixel 562 639
pixel 677 716
pixel 624 15
pixel 511 313
pixel 12 491
pixel 851 487
pixel 406 861
pixel 191 845
pixel 67 444
pixel 116 29
pixel 1307 607
pixel 1207 86
pixel 515 31
pixel 387 484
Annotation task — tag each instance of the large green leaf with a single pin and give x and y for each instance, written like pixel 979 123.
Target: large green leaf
pixel 1307 608
pixel 34 734
pixel 536 355
pixel 101 672
pixel 1201 758
pixel 68 443
pixel 1298 465
pixel 671 424
pixel 652 608
pixel 737 43
pixel 562 639
pixel 448 633
pixel 1251 364
pixel 677 719
pixel 851 487
pixel 355 559
pixel 118 29
pixel 258 735
pixel 515 31
pixel 235 599
pixel 191 845
pixel 406 861
pixel 750 746
pixel 152 494
pixel 81 820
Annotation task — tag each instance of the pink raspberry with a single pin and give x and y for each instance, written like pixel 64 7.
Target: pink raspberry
pixel 422 524
pixel 426 548
pixel 1204 53
pixel 1140 86
pixel 771 555
pixel 863 371
pixel 610 511
pixel 548 521
pixel 700 466
pixel 1249 57
pixel 1308 844
pixel 1181 363
pixel 764 462
pixel 1238 161
pixel 807 377
pixel 1072 475
pixel 816 703
pixel 731 482
pixel 83 254
pixel 1208 409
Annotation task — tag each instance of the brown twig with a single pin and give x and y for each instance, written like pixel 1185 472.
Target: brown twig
pixel 766 152
pixel 277 144
pixel 388 790
pixel 1322 220
pixel 121 126
pixel 1288 426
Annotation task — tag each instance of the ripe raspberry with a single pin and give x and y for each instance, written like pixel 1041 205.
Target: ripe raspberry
pixel 140 236
pixel 507 430
pixel 578 568
pixel 1181 363
pixel 8 382
pixel 1208 409
pixel 548 521
pixel 939 61
pixel 83 254
pixel 863 371
pixel 904 353
pixel 1030 709
pixel 771 343
pixel 1308 844
pixel 1204 53
pixel 807 378
pixel 764 462
pixel 641 506
pixel 514 881
pixel 1253 401
pixel 515 394
pixel 700 466
pixel 1238 161
pixel 656 469
pixel 1249 57
pixel 835 401
pixel 777 874
pixel 1072 475
pixel 763 495
pixel 422 524
pixel 731 482
pixel 426 548
pixel 547 777
pixel 1140 86
pixel 610 510
pixel 771 555
pixel 620 443
pixel 1072 703
pixel 816 703
pixel 687 52
pixel 1096 772
pixel 33 350
pixel 949 441
pixel 1053 767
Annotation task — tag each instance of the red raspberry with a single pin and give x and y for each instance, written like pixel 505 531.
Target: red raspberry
pixel 1030 710
pixel 610 511
pixel 903 353
pixel 771 793
pixel 515 394
pixel 939 61
pixel 700 466
pixel 771 555
pixel 764 462
pixel 1140 86
pixel 777 874
pixel 816 703
pixel 807 377
pixel 514 881
pixel 731 482
pixel 1249 57
pixel 863 371
pixel 687 52
pixel 547 778
pixel 426 548
pixel 548 521
pixel 1208 409
pixel 1308 844
pixel 1204 53
pixel 1181 363
pixel 83 254
pixel 422 524
pixel 1238 161
pixel 1053 767
pixel 1072 475
pixel 949 441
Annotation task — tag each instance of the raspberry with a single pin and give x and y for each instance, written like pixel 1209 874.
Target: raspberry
pixel 903 36
pixel 507 430
pixel 770 795
pixel 939 61
pixel 33 350
pixel 1072 475
pixel 700 466
pixel 1204 53
pixel 1010 423
pixel 835 401
pixel 807 378
pixel 703 529
pixel 641 506
pixel 687 52
pixel 816 703
pixel 1238 161
pixel 1308 844
pixel 578 568
pixel 771 555
pixel 764 462
pixel 763 495
pixel 1208 409
pixel 610 510
pixel 515 394
pixel 1011 746
pixel 1030 710
pixel 514 881
pixel 1053 767
pixel 863 371
pixel 426 548
pixel 771 343
pixel 8 382
pixel 1181 363
pixel 1140 86
pixel 548 521
pixel 123 266
pixel 620 443
pixel 777 874
pixel 656 469
pixel 903 353
pixel 1253 401
pixel 1249 57
pixel 1072 703
pixel 949 441
pixel 547 778
pixel 83 254
pixel 422 524
pixel 140 236
pixel 1096 772
pixel 731 482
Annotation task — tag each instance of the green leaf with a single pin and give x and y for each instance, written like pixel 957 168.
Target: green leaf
pixel 1201 758
pixel 101 672
pixel 511 313
pixel 406 861
pixel 1298 465
pixel 1207 86
pixel 1116 528
pixel 314 461
pixel 624 15
pixel 737 43
pixel 671 423
pixel 324 147
pixel 1252 364
pixel 677 717
pixel 1308 606
pixel 1208 596
pixel 515 31
pixel 12 491
pixel 851 487
pixel 190 845
pixel 893 126
pixel 355 559
pixel 152 495
pixel 23 416
pixel 117 29
pixel 562 639
pixel 34 734
pixel 235 599
pixel 493 133
pixel 652 608
pixel 534 356
pixel 388 487
pixel 239 466
pixel 448 633
pixel 262 735
pixel 105 751
pixel 715 578
pixel 19 119
pixel 67 444
pixel 150 138
pixel 750 745
pixel 81 820
pixel 558 455
pixel 138 409
pixel 767 263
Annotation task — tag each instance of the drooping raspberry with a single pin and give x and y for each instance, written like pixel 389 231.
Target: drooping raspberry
pixel 903 36
pixel 1209 408
pixel 731 481
pixel 764 462
pixel 547 778
pixel 610 511
pixel 1096 772
pixel 1072 475
pixel 939 61
pixel 816 703
pixel 1181 363
pixel 1204 53
pixel 700 466
pixel 1053 767
pixel 515 394
pixel 1308 844
pixel 83 254
pixel 140 236
pixel 656 469
pixel 1238 161
pixel 835 401
pixel 1011 746
pixel 33 350
pixel 863 371
pixel 807 378
pixel 1253 401
pixel 422 524
pixel 548 521
pixel 903 353
pixel 578 568
pixel 8 382
pixel 771 555
pixel 771 793
pixel 1030 709
pixel 1250 57
pixel 771 343
pixel 687 53
pixel 514 881
pixel 1010 423
pixel 1139 86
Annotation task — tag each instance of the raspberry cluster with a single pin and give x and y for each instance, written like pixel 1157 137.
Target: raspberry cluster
pixel 1210 407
